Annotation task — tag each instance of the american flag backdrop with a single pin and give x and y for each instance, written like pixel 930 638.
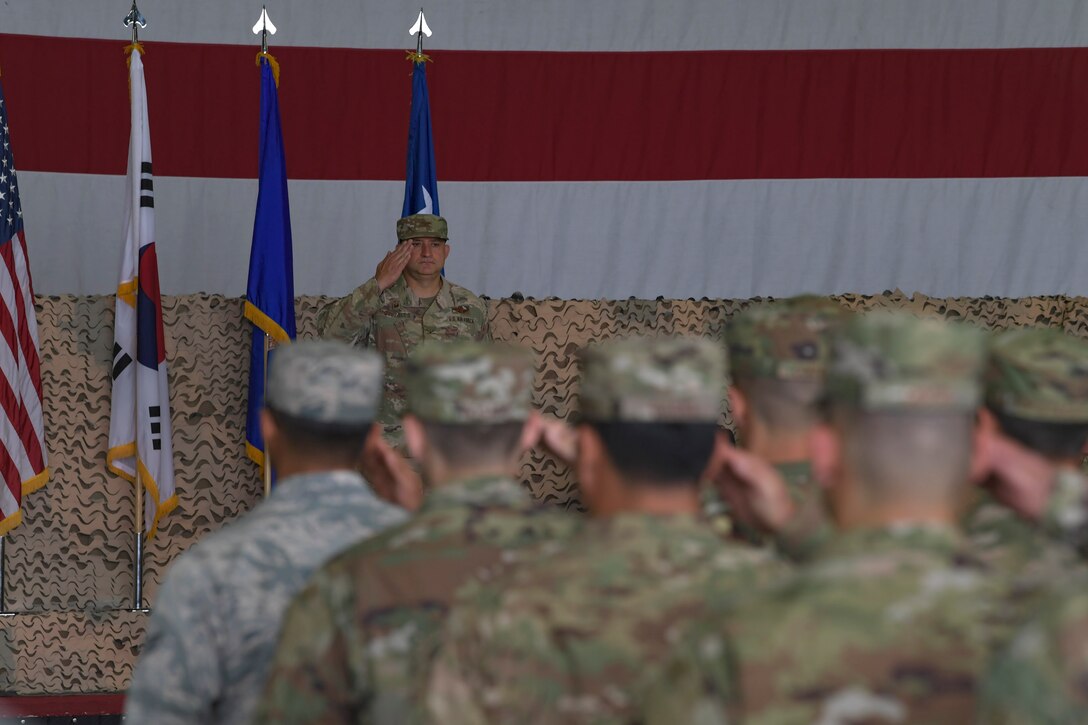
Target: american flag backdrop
pixel 22 432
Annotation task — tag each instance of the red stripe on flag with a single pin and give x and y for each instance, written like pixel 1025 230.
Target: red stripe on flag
pixel 537 116
pixel 28 343
pixel 23 426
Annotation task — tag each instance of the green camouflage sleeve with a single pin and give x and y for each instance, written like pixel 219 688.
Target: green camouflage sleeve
pixel 1066 515
pixel 309 679
pixel 1040 676
pixel 351 318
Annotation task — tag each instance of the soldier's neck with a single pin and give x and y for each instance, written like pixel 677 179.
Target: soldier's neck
pixel 428 286
pixel 438 476
pixel 857 512
pixel 656 500
pixel 777 447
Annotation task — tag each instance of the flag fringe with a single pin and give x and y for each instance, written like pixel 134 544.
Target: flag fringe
pixel 272 62
pixel 161 507
pixel 31 485
pixel 266 324
pixel 10 522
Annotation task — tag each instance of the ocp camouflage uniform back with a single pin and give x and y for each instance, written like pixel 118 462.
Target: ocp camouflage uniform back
pixel 357 643
pixel 785 340
pixel 583 632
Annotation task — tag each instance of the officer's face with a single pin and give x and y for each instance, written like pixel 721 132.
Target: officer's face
pixel 428 256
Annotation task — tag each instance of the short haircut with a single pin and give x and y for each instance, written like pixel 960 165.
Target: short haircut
pixel 322 440
pixel 471 445
pixel 658 453
pixel 782 405
pixel 908 455
pixel 1050 439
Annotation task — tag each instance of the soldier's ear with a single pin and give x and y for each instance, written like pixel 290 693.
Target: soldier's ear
pixel 826 452
pixel 415 437
pixel 738 406
pixel 269 430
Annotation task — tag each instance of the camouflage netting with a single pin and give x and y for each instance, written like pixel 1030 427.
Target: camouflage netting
pixel 69 566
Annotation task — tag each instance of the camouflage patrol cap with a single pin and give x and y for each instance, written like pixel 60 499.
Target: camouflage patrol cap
pixel 422 225
pixel 325 382
pixel 1039 374
pixel 787 340
pixel 660 379
pixel 469 382
pixel 892 360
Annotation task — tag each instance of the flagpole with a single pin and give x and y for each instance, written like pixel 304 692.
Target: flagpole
pixel 138 588
pixel 135 20
pixel 266 469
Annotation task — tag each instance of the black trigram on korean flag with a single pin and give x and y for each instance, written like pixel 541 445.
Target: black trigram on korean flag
pixel 121 360
pixel 147 186
pixel 154 413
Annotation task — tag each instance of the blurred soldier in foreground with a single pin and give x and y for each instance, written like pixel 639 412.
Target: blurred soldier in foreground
pixel 1040 677
pixel 357 643
pixel 891 621
pixel 1037 413
pixel 778 356
pixel 405 302
pixel 216 616
pixel 1038 397
pixel 581 633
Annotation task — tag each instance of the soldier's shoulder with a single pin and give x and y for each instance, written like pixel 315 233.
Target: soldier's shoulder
pixel 464 296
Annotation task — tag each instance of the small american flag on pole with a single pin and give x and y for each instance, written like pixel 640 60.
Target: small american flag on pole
pixel 23 465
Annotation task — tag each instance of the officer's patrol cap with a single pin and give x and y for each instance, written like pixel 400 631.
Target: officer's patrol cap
pixel 894 361
pixel 785 340
pixel 658 379
pixel 465 381
pixel 422 225
pixel 325 382
pixel 1039 374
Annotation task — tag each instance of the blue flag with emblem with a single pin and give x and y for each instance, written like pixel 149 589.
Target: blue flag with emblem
pixel 270 293
pixel 420 182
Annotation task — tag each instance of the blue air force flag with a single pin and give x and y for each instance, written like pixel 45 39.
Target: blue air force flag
pixel 270 293
pixel 420 182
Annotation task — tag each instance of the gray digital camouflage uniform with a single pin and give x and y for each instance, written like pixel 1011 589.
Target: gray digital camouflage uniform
pixel 215 619
pixel 395 321
pixel 357 643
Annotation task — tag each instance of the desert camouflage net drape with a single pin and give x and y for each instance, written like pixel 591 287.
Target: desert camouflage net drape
pixel 69 572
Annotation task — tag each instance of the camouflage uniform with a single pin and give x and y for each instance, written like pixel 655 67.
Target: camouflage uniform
pixel 395 321
pixel 886 624
pixel 358 641
pixel 1039 374
pixel 216 615
pixel 1040 677
pixel 788 340
pixel 582 633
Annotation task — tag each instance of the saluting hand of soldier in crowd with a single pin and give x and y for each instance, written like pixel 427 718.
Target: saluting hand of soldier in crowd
pixel 1017 477
pixel 392 265
pixel 390 474
pixel 753 489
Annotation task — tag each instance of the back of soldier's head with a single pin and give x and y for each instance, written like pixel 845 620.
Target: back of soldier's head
pixel 654 403
pixel 778 357
pixel 902 393
pixel 324 396
pixel 473 398
pixel 1037 387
